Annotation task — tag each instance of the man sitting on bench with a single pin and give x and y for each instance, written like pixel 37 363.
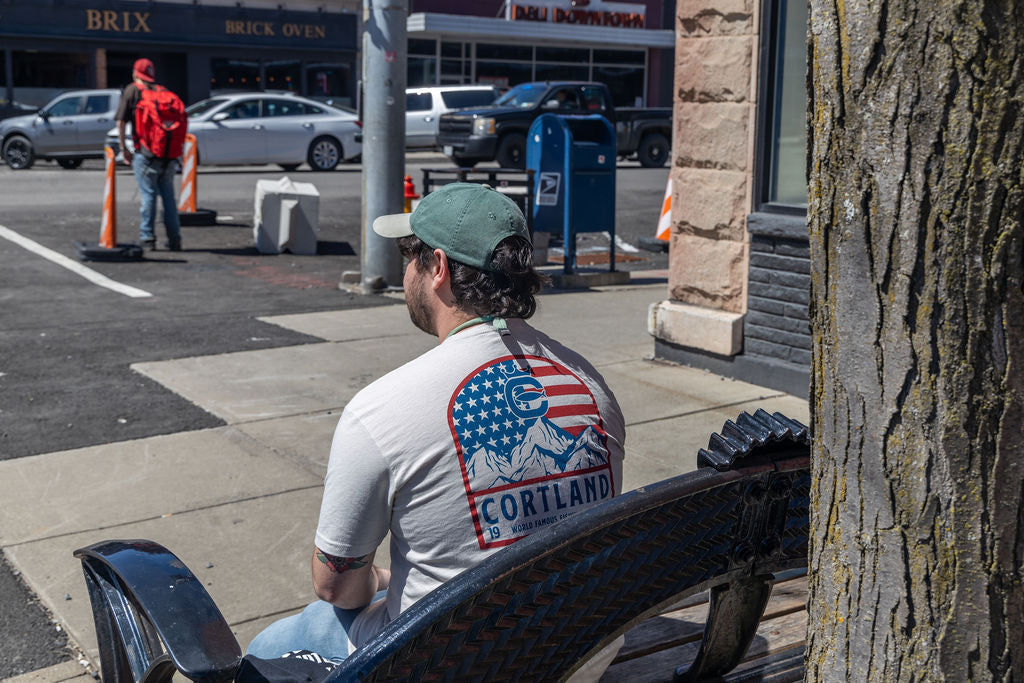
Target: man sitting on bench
pixel 495 433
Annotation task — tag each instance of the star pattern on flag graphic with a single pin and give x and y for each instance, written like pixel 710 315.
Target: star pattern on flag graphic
pixel 481 415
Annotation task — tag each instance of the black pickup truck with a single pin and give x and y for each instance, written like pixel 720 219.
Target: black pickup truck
pixel 499 132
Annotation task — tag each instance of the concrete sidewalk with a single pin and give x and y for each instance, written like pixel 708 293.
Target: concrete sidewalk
pixel 238 503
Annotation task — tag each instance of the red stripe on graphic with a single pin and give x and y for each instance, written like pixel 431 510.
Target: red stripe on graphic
pixel 566 390
pixel 567 410
pixel 547 371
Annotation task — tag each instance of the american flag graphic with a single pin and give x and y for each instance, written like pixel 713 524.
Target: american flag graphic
pixel 516 429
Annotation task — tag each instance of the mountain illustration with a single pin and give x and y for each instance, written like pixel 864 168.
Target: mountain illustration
pixel 487 469
pixel 587 451
pixel 541 450
pixel 546 449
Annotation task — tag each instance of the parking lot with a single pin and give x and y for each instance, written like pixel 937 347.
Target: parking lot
pixel 68 343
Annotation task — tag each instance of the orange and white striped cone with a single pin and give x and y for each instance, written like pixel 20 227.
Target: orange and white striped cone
pixel 665 222
pixel 107 249
pixel 187 198
pixel 108 223
pixel 188 214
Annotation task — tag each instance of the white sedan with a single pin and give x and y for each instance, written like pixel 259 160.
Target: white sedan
pixel 271 128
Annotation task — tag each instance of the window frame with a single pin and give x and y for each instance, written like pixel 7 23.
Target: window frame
pixel 766 89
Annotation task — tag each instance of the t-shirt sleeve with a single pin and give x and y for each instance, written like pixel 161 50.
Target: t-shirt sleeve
pixel 356 511
pixel 126 107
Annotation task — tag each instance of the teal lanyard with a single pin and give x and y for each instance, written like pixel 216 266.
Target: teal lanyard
pixel 498 321
pixel 469 324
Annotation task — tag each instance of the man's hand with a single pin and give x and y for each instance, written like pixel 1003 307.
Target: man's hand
pixel 347 582
pixel 126 153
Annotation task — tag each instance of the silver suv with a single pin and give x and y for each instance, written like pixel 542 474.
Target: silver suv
pixel 425 104
pixel 72 127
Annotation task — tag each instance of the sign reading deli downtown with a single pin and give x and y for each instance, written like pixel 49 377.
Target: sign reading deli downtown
pixel 581 12
pixel 111 21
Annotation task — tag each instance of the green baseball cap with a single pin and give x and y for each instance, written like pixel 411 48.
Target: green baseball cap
pixel 464 220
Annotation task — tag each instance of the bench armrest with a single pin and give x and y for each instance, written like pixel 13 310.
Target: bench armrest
pixel 153 615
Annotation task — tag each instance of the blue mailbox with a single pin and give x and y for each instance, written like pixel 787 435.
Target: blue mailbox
pixel 573 160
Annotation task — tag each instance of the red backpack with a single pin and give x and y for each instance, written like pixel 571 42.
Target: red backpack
pixel 160 122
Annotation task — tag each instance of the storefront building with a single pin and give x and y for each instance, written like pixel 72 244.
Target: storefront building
pixel 739 276
pixel 199 49
pixel 627 45
pixel 202 47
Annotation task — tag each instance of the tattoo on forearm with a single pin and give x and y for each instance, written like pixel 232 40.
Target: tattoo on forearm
pixel 338 565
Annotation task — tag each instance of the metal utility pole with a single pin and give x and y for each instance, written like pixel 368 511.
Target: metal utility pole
pixel 384 78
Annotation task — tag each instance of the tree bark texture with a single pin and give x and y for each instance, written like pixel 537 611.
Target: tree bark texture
pixel 916 208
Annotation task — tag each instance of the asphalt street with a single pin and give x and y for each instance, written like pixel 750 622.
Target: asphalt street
pixel 67 344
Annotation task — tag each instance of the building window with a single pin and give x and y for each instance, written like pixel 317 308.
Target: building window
pixel 505 65
pixel 456 63
pixel 562 72
pixel 227 75
pixel 503 74
pixel 284 75
pixel 625 82
pixel 421 68
pixel 331 82
pixel 518 53
pixel 783 182
pixel 39 76
pixel 625 74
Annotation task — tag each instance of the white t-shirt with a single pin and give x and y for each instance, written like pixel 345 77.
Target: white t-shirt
pixel 461 452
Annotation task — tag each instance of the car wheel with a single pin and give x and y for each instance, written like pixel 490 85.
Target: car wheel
pixel 69 164
pixel 17 152
pixel 653 150
pixel 324 154
pixel 512 151
pixel 289 167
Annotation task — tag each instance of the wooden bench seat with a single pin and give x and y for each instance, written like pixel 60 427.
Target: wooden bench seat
pixel 539 609
pixel 657 646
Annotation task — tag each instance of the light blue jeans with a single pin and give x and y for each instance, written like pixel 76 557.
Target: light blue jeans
pixel 156 177
pixel 321 628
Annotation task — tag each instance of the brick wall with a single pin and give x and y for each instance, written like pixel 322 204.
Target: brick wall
pixel 776 324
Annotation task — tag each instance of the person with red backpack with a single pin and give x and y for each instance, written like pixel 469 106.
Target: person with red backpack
pixel 159 124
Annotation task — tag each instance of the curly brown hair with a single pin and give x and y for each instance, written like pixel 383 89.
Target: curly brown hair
pixel 507 291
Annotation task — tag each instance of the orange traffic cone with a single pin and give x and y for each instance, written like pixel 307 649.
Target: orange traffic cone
pixel 188 214
pixel 665 222
pixel 107 249
pixel 108 223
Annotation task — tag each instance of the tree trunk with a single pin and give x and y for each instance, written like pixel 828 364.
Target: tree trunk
pixel 916 207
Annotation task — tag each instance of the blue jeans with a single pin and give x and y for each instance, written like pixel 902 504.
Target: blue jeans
pixel 156 177
pixel 321 628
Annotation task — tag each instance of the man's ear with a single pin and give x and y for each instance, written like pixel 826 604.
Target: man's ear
pixel 439 272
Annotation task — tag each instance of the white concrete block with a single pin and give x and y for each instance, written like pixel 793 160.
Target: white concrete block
pixel 286 217
pixel 711 330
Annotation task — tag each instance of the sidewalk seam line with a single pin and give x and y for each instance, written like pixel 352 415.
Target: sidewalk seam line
pixel 704 410
pixel 249 620
pixel 163 516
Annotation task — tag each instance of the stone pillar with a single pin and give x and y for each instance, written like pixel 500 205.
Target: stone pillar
pixel 715 93
pixel 100 57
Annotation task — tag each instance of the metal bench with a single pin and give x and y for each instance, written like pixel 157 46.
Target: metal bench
pixel 538 609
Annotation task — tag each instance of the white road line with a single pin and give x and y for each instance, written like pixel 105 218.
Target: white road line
pixel 72 265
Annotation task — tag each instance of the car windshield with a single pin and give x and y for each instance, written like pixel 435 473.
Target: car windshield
pixel 523 96
pixel 200 108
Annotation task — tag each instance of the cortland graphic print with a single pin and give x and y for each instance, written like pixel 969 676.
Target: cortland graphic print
pixel 532 447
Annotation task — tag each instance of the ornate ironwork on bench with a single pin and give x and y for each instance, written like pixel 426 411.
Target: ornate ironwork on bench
pixel 536 610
